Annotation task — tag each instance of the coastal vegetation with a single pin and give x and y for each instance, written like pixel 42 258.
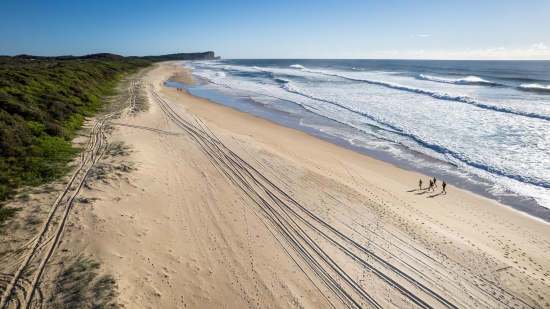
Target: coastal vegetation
pixel 80 285
pixel 43 103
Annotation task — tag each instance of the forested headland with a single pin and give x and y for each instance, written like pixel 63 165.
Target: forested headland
pixel 209 55
pixel 43 102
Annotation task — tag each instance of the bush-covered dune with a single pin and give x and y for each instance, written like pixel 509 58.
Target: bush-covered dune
pixel 43 102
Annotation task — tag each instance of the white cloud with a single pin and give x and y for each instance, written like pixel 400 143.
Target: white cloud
pixel 540 46
pixel 533 52
pixel 423 35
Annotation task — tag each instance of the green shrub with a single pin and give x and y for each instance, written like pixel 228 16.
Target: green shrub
pixel 42 105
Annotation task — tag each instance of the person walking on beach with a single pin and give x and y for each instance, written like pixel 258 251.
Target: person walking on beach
pixel 420 184
pixel 431 185
pixel 444 185
pixel 435 185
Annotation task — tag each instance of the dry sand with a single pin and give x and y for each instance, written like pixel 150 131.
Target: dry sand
pixel 215 208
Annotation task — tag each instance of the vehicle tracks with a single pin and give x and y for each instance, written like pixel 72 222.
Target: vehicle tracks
pixel 394 271
pixel 23 292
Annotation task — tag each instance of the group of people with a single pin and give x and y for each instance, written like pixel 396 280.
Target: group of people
pixel 432 186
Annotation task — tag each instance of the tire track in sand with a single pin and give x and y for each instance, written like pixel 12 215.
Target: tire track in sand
pixel 286 218
pixel 268 197
pixel 21 291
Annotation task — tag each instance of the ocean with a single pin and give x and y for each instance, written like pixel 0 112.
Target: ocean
pixel 479 125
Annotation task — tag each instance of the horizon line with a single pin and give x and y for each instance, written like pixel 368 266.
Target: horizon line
pixel 283 58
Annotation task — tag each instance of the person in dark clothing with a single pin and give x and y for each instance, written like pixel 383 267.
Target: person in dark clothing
pixel 444 185
pixel 431 185
pixel 435 185
pixel 420 184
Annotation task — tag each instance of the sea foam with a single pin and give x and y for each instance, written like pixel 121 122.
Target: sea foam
pixel 436 95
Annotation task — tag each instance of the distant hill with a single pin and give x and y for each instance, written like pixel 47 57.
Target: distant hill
pixel 181 56
pixel 101 56
pixel 209 55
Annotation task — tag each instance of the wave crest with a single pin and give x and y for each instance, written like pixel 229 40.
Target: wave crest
pixel 470 80
pixel 297 66
pixel 535 87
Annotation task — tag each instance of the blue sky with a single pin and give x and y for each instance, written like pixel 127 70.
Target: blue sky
pixel 481 29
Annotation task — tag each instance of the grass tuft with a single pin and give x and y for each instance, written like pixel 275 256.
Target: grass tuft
pixel 117 149
pixel 81 286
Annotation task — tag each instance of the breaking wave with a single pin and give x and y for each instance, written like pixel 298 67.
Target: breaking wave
pixel 457 158
pixel 470 80
pixel 436 95
pixel 535 87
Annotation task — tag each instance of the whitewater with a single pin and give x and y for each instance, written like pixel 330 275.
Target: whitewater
pixel 484 121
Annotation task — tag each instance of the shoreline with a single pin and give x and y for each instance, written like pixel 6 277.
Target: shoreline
pixel 466 218
pixel 472 183
pixel 201 205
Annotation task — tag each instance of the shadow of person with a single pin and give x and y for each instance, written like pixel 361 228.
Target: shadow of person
pixel 432 196
pixel 421 193
pixel 414 190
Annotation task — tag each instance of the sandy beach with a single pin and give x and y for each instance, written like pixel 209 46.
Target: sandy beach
pixel 204 206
